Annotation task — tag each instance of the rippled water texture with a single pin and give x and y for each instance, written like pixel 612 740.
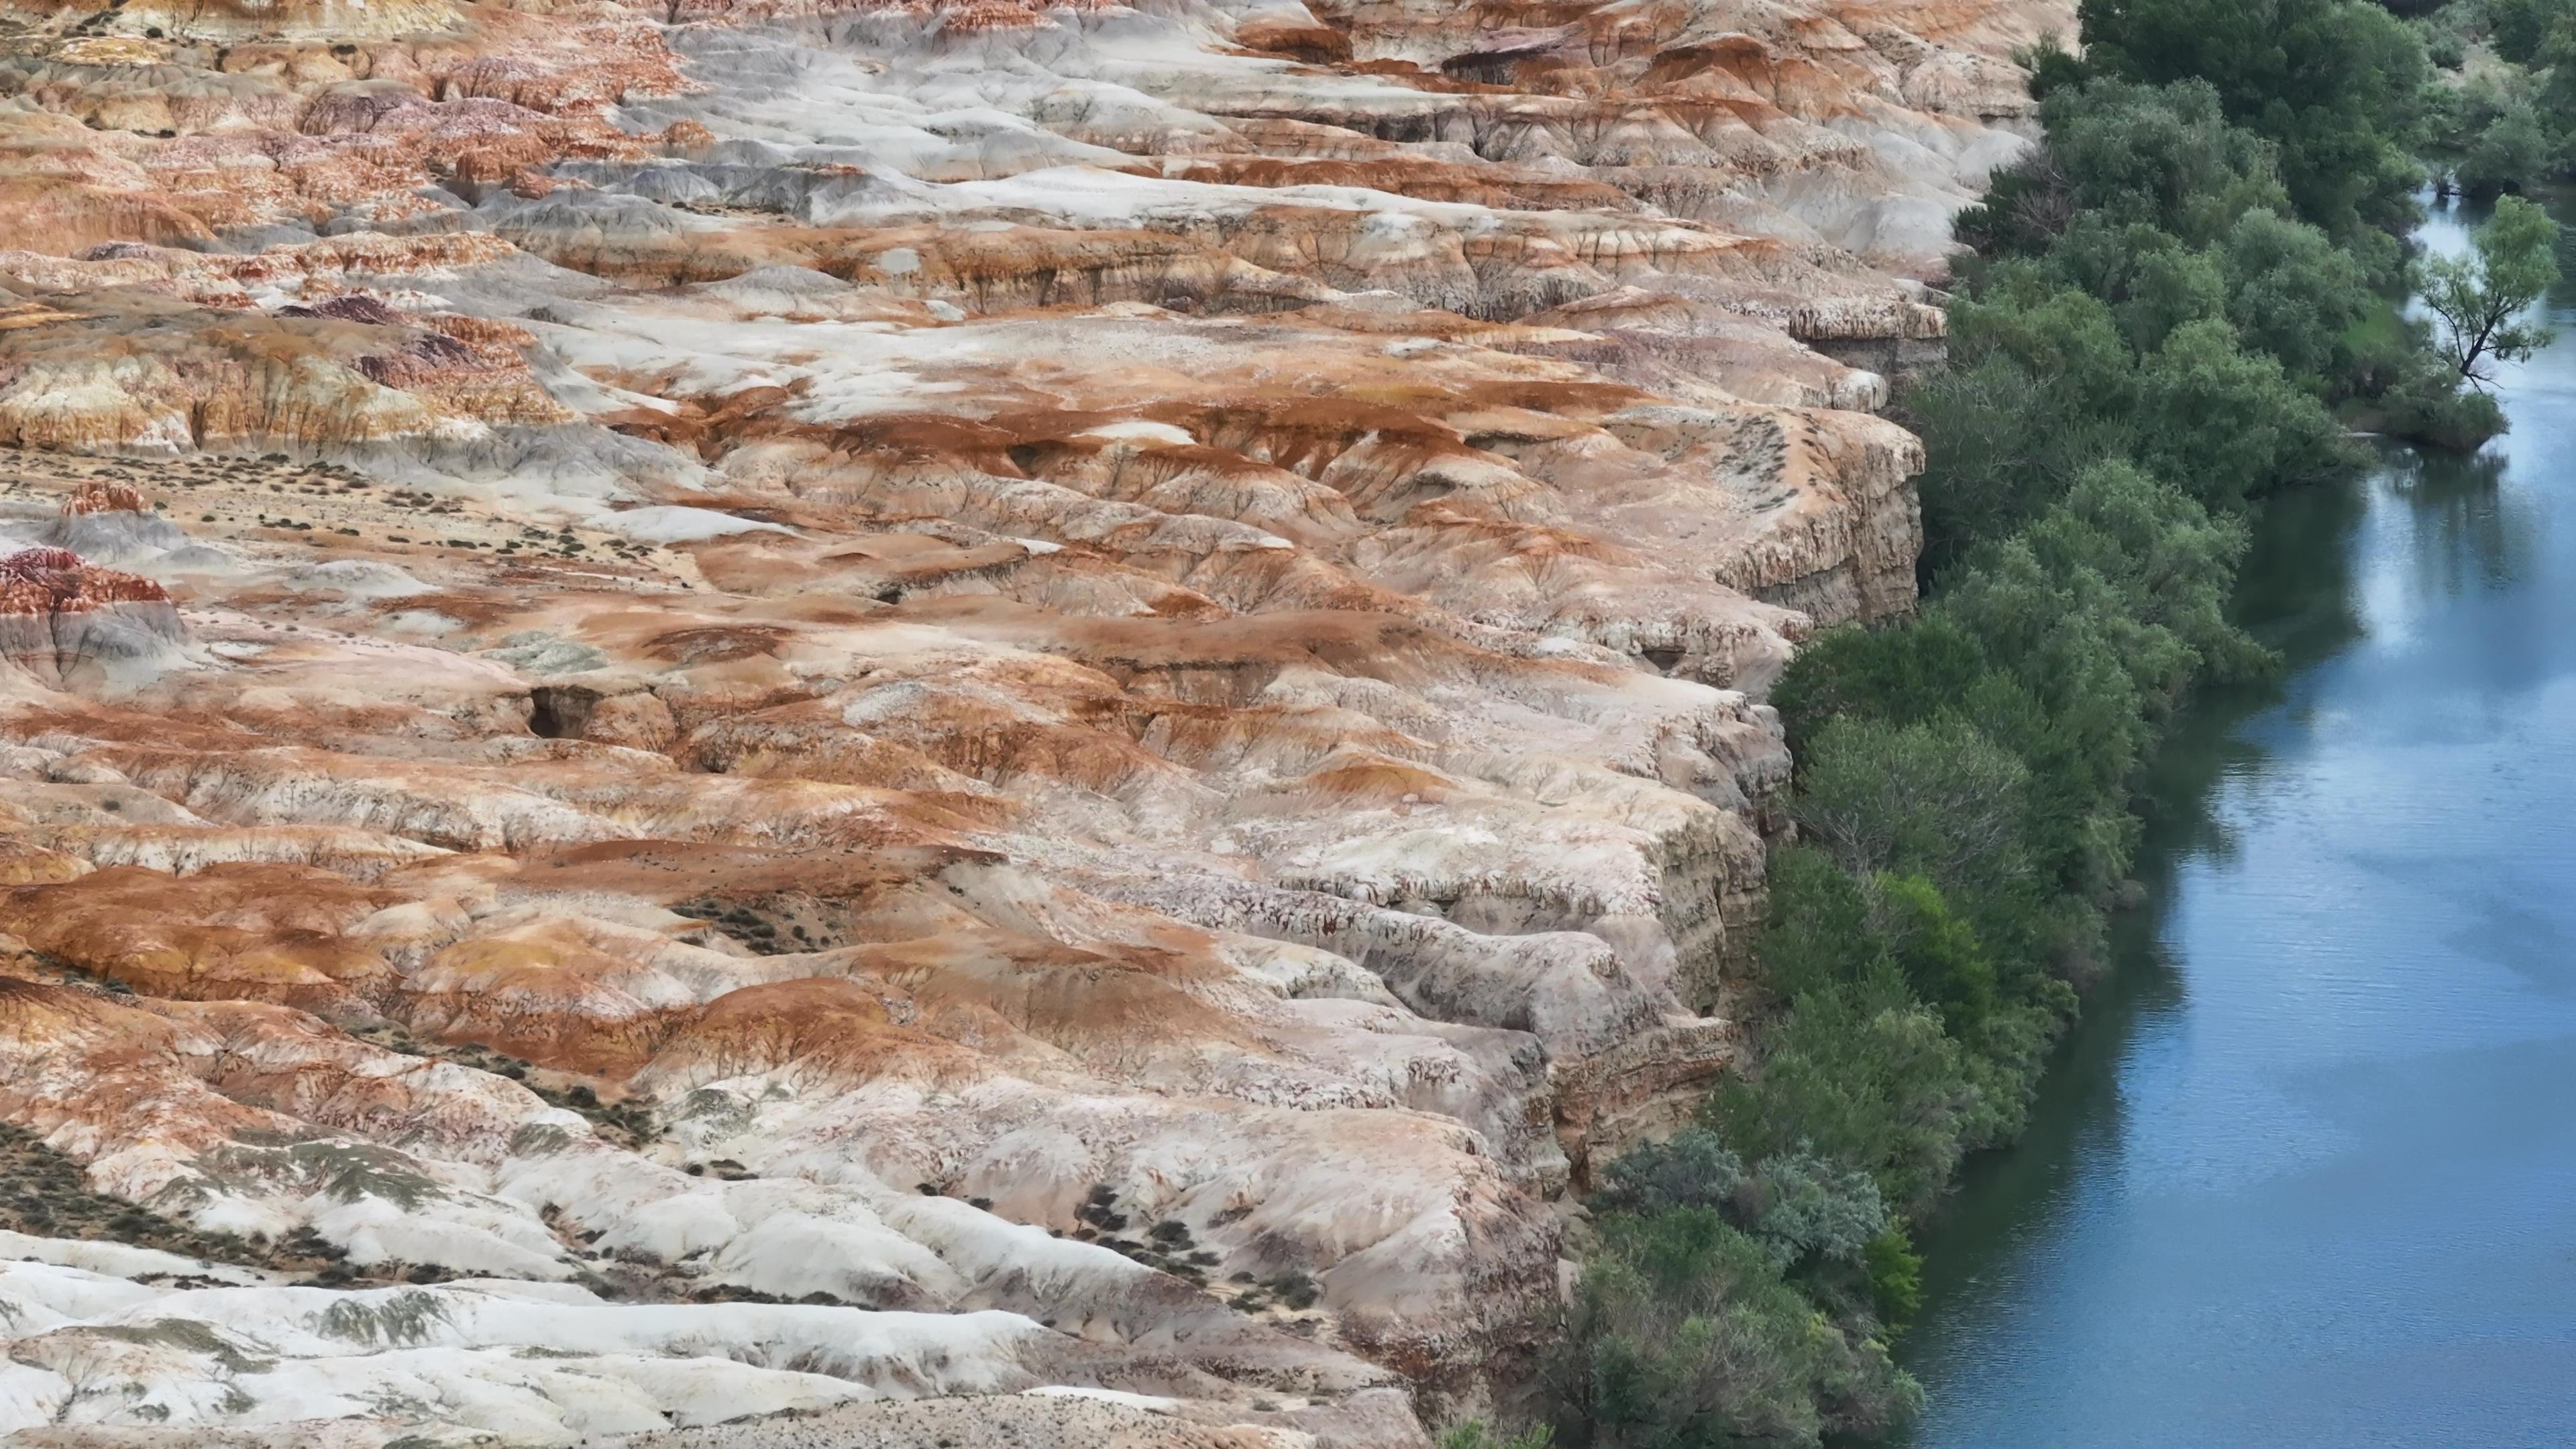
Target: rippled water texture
pixel 2308 1174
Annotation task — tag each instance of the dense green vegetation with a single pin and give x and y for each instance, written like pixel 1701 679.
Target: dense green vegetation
pixel 2504 117
pixel 2170 303
pixel 2336 86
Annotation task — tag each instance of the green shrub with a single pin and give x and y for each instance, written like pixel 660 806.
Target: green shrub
pixel 1863 1075
pixel 2164 156
pixel 1477 1434
pixel 2509 154
pixel 1937 798
pixel 2518 28
pixel 1695 1168
pixel 2428 405
pixel 2291 292
pixel 1684 1331
pixel 2335 85
pixel 1895 1277
pixel 2228 425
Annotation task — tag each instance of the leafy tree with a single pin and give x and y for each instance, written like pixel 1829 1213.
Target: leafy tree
pixel 2446 44
pixel 1811 1210
pixel 2513 151
pixel 1904 673
pixel 2077 701
pixel 2557 98
pixel 2050 64
pixel 2171 565
pixel 2518 28
pixel 2028 203
pixel 2168 288
pixel 2001 444
pixel 2228 425
pixel 1895 1277
pixel 2066 337
pixel 2480 299
pixel 2428 404
pixel 2335 84
pixel 1862 1075
pixel 1938 953
pixel 2454 116
pixel 2291 291
pixel 1936 798
pixel 1694 1168
pixel 1821 933
pixel 2164 156
pixel 1805 1209
pixel 1685 1332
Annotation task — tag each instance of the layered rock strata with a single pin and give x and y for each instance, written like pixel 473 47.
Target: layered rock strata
pixel 957 720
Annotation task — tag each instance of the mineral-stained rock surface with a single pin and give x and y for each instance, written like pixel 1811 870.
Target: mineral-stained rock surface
pixel 762 722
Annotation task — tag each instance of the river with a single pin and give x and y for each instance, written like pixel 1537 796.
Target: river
pixel 2307 1173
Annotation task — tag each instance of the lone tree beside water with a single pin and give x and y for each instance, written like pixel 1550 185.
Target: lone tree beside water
pixel 2480 298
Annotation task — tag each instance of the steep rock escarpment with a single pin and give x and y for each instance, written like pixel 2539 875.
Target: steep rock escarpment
pixel 986 721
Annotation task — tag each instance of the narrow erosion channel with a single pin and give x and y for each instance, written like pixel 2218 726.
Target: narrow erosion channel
pixel 2307 1175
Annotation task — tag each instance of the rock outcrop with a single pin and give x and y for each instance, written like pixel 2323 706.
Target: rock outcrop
pixel 959 720
pixel 65 622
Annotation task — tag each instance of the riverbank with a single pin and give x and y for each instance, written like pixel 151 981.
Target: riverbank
pixel 2167 300
pixel 2303 1175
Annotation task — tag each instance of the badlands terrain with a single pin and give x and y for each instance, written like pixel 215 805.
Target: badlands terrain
pixel 759 722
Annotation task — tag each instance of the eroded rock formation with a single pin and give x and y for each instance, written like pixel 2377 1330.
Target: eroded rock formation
pixel 750 707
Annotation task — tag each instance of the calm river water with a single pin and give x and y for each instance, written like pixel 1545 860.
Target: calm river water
pixel 2307 1175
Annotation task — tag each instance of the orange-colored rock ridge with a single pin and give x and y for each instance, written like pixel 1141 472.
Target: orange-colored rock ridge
pixel 996 721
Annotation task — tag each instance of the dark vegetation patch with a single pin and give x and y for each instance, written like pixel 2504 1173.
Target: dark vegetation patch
pixel 45 1194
